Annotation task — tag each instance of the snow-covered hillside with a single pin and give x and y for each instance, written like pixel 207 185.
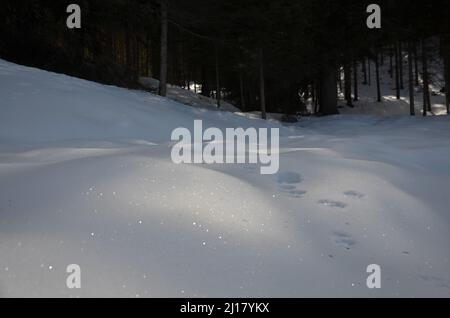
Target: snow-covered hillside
pixel 86 178
pixel 187 97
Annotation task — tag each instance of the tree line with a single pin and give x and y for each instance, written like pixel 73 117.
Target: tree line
pixel 270 56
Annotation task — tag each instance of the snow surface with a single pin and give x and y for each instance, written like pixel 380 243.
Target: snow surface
pixel 86 178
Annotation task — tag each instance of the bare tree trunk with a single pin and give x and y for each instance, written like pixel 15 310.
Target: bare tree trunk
pixel 147 56
pixel 411 79
pixel 316 99
pixel 164 33
pixel 364 71
pixel 426 86
pixel 206 90
pixel 218 90
pixel 355 81
pixel 416 65
pixel 241 87
pixel 400 64
pixel 391 63
pixel 262 84
pixel 348 84
pixel 315 94
pixel 128 51
pixel 447 83
pixel 397 72
pixel 377 71
pixel 328 92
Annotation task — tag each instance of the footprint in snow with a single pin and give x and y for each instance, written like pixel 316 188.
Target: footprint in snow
pixel 343 239
pixel 354 194
pixel 291 191
pixel 286 187
pixel 296 193
pixel 333 204
pixel 287 184
pixel 289 178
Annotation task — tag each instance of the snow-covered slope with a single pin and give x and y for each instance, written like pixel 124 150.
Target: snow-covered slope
pixel 86 178
pixel 187 97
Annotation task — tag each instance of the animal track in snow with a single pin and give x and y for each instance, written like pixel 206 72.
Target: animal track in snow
pixel 296 193
pixel 289 178
pixel 286 187
pixel 343 239
pixel 287 184
pixel 333 204
pixel 354 194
